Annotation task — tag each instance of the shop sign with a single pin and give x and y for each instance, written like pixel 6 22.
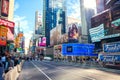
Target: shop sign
pixel 112 47
pixel 3 35
pixel 5 8
pixel 6 23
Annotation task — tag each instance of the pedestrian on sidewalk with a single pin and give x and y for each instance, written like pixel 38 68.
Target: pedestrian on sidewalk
pixel 1 70
pixel 3 59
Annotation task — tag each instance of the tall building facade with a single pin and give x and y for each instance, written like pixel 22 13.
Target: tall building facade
pixel 11 10
pixel 53 15
pixel 6 25
pixel 106 24
pixel 86 15
pixel 38 23
pixel 8 12
pixel 100 5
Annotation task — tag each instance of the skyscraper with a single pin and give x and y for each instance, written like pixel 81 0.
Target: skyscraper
pixel 38 23
pixel 53 15
pixel 11 10
pixel 7 12
pixel 86 15
pixel 6 26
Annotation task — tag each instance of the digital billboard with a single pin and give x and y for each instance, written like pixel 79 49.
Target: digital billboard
pixel 6 23
pixel 75 49
pixel 116 24
pixel 5 8
pixel 73 33
pixel 10 26
pixel 55 35
pixel 42 41
pixel 10 34
pixel 3 35
pixel 112 47
pixel 97 33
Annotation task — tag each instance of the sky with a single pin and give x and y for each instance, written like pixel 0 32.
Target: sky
pixel 24 13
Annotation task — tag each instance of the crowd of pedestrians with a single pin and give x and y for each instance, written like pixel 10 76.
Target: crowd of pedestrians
pixel 7 62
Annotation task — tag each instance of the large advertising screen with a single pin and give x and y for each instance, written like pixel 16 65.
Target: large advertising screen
pixel 3 35
pixel 111 20
pixel 78 49
pixel 97 33
pixel 116 26
pixel 10 27
pixel 55 35
pixel 112 47
pixel 10 34
pixel 73 33
pixel 42 41
pixel 5 8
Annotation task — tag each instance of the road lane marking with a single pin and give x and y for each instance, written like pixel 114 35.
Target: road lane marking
pixel 41 71
pixel 68 71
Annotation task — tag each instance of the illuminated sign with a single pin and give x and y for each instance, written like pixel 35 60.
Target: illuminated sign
pixel 69 49
pixel 3 35
pixel 42 41
pixel 73 33
pixel 10 33
pixel 5 8
pixel 6 23
pixel 116 24
pixel 10 27
pixel 97 33
pixel 112 47
pixel 75 49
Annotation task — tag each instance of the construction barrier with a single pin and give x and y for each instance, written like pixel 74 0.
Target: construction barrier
pixel 14 73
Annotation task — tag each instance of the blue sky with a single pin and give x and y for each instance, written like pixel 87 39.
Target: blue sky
pixel 24 12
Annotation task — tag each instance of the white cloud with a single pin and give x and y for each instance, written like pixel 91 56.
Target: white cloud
pixel 23 24
pixel 16 6
pixel 73 8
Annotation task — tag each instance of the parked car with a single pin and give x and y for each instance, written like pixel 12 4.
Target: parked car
pixel 48 58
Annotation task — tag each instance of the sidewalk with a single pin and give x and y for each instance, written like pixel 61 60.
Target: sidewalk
pixel 89 65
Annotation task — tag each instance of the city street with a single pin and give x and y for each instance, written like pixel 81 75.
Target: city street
pixel 50 70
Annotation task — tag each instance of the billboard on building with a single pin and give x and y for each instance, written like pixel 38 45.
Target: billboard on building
pixel 42 41
pixel 76 49
pixel 111 20
pixel 3 35
pixel 73 33
pixel 5 8
pixel 111 47
pixel 116 25
pixel 64 38
pixel 10 28
pixel 97 33
pixel 10 34
pixel 55 35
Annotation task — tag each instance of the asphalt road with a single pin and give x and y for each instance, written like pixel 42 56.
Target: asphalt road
pixel 45 70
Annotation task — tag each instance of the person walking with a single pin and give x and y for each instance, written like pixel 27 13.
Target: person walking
pixel 1 69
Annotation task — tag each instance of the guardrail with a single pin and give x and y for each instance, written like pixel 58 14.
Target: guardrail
pixel 13 74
